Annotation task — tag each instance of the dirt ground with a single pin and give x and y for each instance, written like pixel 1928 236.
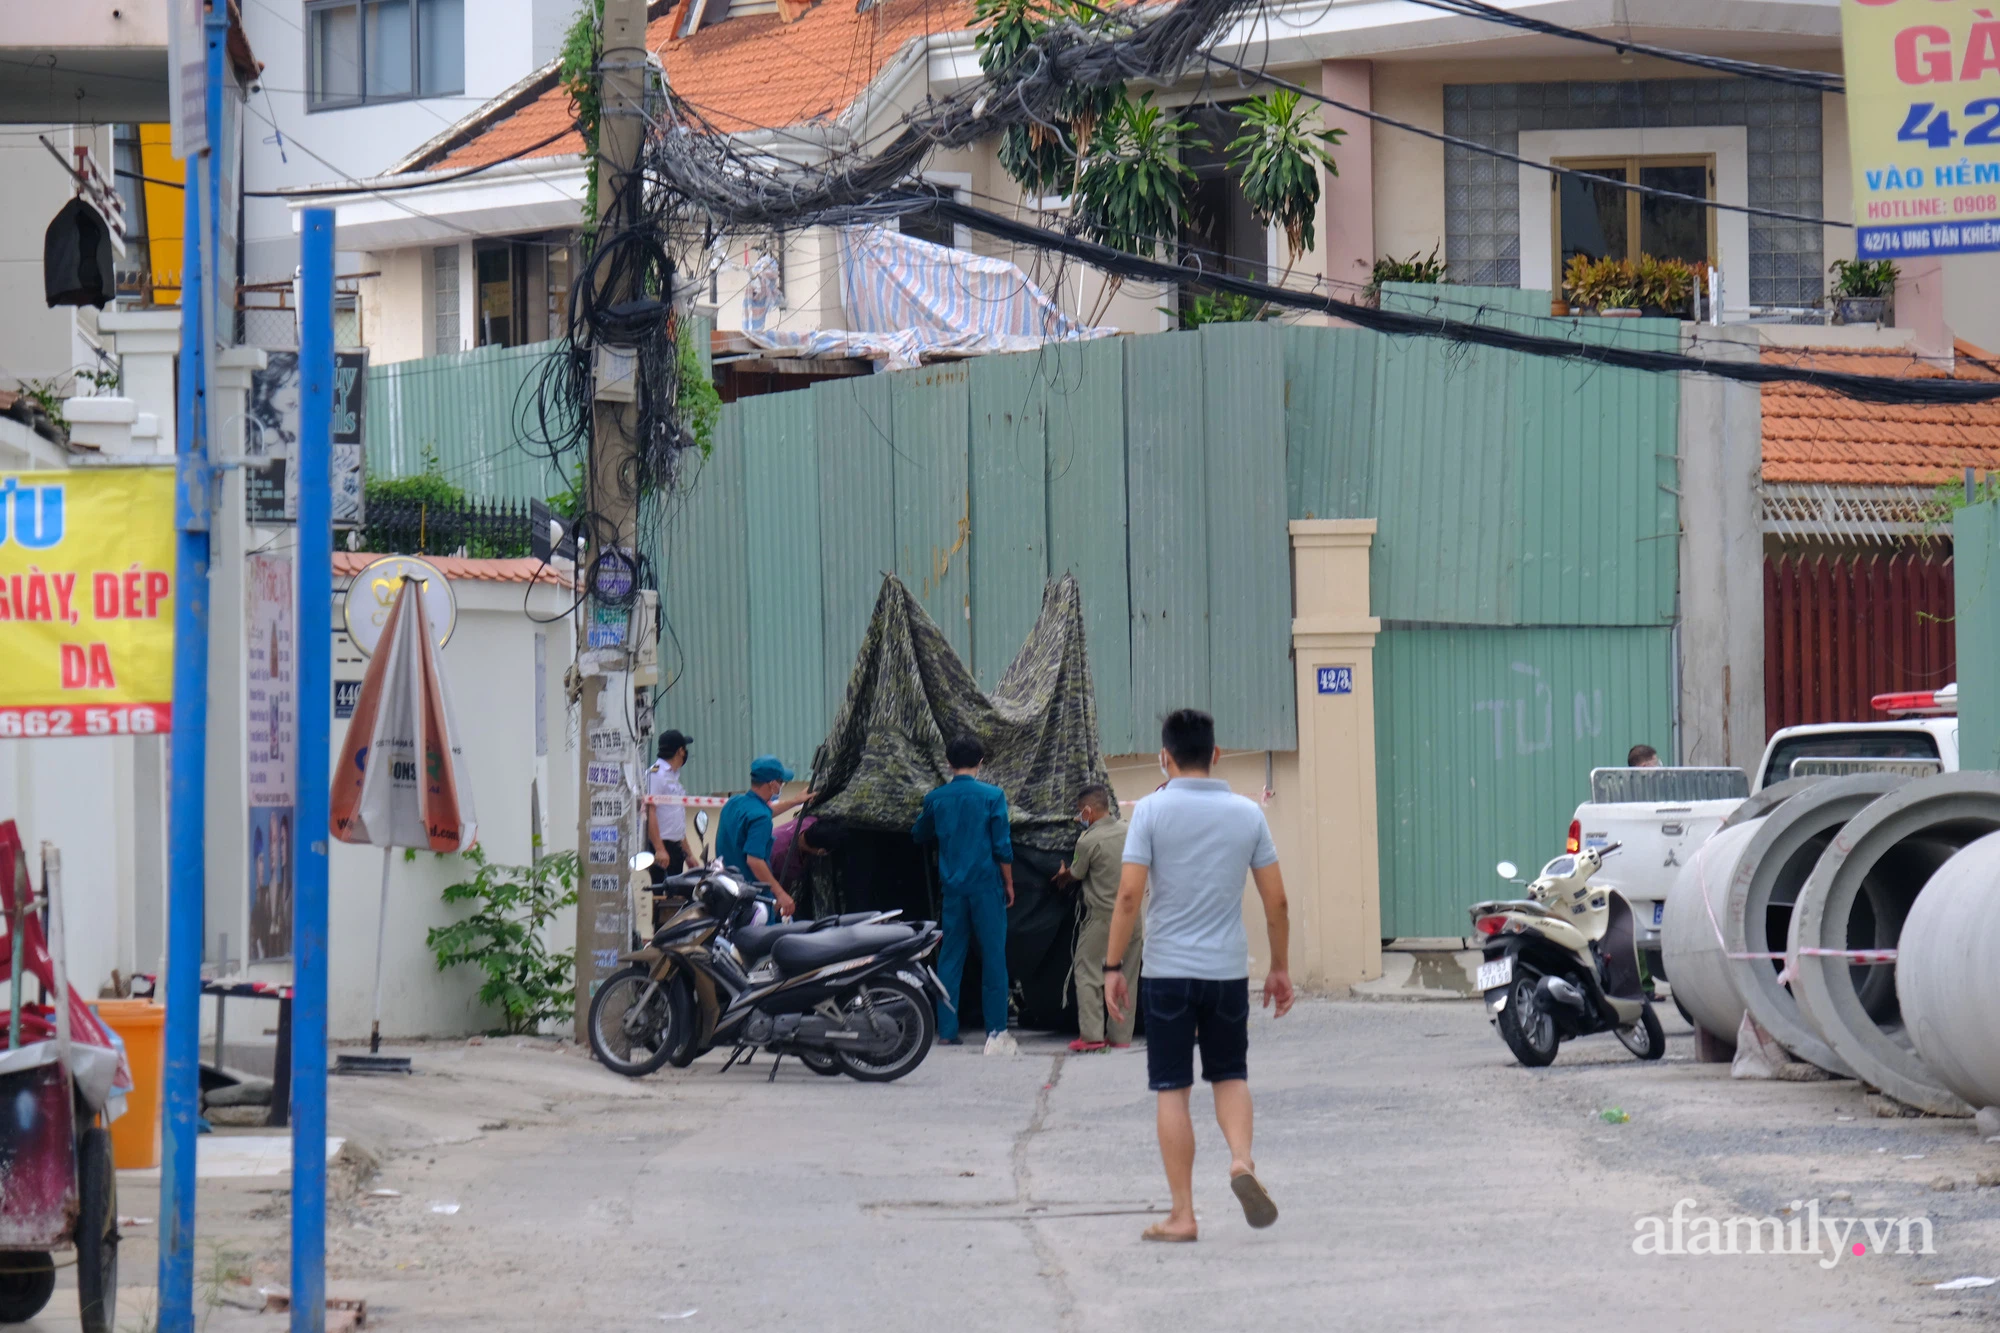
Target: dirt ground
pixel 1425 1180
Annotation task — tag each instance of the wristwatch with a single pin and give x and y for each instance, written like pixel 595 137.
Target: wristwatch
pixel 1110 966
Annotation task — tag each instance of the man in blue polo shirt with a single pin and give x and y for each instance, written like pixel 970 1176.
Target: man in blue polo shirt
pixel 743 834
pixel 967 819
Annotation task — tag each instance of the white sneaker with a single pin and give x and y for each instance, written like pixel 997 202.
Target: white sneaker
pixel 1002 1043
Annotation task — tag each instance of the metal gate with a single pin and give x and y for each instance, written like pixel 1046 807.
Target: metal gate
pixel 1840 629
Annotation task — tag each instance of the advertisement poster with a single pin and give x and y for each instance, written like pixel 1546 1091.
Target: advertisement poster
pixel 270 686
pixel 1923 125
pixel 271 445
pixel 86 602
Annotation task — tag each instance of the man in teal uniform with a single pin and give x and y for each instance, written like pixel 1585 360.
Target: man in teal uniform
pixel 967 819
pixel 743 834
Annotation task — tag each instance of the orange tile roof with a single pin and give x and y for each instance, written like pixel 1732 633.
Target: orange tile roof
pixel 346 564
pixel 1815 436
pixel 741 73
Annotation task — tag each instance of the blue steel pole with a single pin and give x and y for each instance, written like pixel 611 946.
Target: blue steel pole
pixel 315 658
pixel 187 809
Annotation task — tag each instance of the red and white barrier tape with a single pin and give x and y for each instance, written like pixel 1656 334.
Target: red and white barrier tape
pixel 717 802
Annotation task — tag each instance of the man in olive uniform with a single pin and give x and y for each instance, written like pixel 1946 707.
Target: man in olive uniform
pixel 1095 866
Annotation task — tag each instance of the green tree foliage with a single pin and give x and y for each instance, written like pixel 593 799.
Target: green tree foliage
pixel 576 70
pixel 1281 156
pixel 505 937
pixel 1132 193
pixel 1120 158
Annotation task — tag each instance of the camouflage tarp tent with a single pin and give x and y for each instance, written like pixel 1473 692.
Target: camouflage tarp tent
pixel 908 695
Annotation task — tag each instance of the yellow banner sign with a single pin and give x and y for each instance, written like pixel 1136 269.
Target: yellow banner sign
pixel 1923 125
pixel 87 602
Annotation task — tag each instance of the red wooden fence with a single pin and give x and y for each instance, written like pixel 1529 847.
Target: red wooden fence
pixel 1840 629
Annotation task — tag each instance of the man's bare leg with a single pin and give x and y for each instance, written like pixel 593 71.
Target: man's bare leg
pixel 1233 1112
pixel 1176 1127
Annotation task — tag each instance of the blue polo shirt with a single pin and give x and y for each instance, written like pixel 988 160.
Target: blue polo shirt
pixel 744 831
pixel 967 819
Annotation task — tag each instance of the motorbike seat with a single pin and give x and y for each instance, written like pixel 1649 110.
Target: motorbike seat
pixel 802 951
pixel 753 942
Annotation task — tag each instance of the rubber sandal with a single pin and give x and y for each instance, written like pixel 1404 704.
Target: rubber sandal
pixel 1082 1047
pixel 1258 1210
pixel 1158 1232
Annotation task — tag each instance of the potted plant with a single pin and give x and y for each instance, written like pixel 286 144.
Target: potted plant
pixel 1621 303
pixel 1666 286
pixel 1418 268
pixel 1863 290
pixel 1609 286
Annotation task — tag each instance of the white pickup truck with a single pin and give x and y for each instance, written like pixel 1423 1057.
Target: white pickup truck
pixel 1662 815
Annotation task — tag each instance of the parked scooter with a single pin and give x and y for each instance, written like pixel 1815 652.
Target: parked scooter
pixel 1564 962
pixel 845 995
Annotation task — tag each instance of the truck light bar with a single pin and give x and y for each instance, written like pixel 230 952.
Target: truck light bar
pixel 1919 703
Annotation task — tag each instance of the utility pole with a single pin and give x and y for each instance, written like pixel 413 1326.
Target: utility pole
pixel 611 754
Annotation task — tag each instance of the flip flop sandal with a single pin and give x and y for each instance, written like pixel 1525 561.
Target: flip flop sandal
pixel 1160 1233
pixel 1258 1210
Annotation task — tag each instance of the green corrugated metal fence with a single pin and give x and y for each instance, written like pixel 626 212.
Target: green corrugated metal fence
pixel 460 409
pixel 1525 562
pixel 1485 738
pixel 1975 534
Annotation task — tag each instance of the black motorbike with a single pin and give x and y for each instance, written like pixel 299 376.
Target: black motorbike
pixel 845 995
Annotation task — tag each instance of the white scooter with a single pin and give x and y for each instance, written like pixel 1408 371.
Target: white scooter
pixel 1564 962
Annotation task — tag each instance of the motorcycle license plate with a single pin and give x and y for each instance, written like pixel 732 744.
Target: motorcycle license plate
pixel 1495 974
pixel 1659 912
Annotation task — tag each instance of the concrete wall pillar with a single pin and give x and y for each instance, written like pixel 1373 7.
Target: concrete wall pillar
pixel 228 824
pixel 148 343
pixel 1348 217
pixel 1333 870
pixel 1721 561
pixel 1920 288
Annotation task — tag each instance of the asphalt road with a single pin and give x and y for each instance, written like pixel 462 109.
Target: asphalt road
pixel 1425 1181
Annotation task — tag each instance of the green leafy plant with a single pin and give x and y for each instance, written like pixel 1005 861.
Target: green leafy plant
pixel 1281 157
pixel 700 402
pixel 1042 157
pixel 576 71
pixel 1221 308
pixel 48 395
pixel 1134 189
pixel 1666 284
pixel 1416 268
pixel 1863 277
pixel 529 982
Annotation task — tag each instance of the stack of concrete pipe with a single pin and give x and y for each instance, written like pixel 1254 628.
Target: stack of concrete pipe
pixel 1871 861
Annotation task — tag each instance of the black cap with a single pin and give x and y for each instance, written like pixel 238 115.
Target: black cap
pixel 673 742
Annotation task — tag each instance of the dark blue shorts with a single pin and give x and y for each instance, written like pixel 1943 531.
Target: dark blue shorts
pixel 1183 1013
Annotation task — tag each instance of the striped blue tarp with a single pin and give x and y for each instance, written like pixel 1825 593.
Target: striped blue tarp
pixel 907 297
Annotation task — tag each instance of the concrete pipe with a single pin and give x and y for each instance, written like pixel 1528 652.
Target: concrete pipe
pixel 1859 896
pixel 1760 803
pixel 1754 907
pixel 1689 943
pixel 1948 974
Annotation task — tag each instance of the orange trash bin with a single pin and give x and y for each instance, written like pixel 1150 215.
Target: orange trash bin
pixel 141 1025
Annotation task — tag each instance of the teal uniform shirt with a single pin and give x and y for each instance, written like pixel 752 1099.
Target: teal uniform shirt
pixel 744 831
pixel 967 819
